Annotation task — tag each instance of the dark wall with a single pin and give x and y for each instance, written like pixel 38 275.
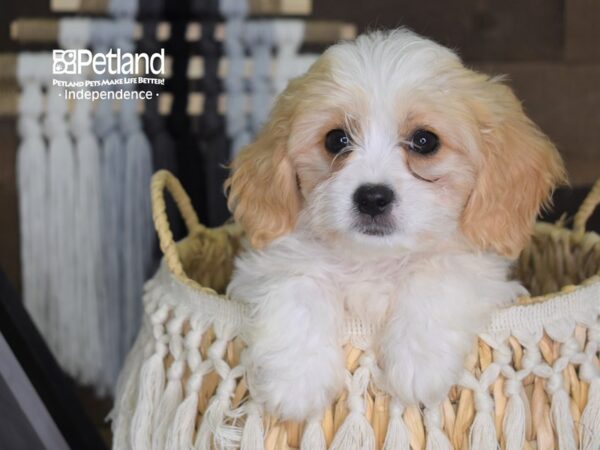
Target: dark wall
pixel 550 50
pixel 479 29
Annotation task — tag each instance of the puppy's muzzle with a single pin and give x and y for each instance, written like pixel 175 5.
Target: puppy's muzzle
pixel 373 199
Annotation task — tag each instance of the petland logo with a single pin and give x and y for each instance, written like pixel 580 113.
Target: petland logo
pixel 76 62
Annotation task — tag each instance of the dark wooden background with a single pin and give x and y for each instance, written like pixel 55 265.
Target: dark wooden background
pixel 550 49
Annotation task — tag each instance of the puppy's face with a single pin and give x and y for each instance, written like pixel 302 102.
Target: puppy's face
pixel 391 142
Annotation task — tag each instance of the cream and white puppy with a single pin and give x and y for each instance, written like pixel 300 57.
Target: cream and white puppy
pixel 392 184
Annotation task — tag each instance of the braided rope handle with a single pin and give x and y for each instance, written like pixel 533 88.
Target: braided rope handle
pixel 586 209
pixel 161 180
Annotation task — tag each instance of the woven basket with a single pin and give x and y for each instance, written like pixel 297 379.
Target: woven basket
pixel 532 382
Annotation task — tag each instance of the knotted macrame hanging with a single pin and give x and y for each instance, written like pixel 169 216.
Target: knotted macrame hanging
pixel 32 180
pixel 236 119
pixel 258 39
pixel 86 318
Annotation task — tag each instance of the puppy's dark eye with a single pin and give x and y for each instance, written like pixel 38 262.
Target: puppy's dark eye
pixel 424 142
pixel 336 140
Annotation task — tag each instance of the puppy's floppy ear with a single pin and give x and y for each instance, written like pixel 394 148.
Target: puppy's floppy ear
pixel 519 169
pixel 263 194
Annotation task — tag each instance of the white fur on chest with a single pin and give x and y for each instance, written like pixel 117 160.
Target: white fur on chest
pixel 428 307
pixel 368 289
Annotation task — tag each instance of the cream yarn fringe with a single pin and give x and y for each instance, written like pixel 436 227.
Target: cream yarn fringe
pixel 520 389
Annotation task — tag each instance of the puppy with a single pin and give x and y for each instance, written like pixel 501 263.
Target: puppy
pixel 394 185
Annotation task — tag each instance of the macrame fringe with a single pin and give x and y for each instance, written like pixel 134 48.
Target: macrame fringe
pixel 151 385
pixel 483 432
pixel 126 393
pixel 253 432
pixel 121 418
pixel 355 433
pixel 396 436
pixel 167 407
pixel 313 437
pixel 563 420
pixel 64 308
pixel 213 429
pixel 590 420
pixel 436 439
pixel 514 423
pixel 204 437
pixel 126 385
pixel 181 432
pixel 99 366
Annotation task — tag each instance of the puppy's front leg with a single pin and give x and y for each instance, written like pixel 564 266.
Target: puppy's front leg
pixel 434 325
pixel 294 361
pixel 421 359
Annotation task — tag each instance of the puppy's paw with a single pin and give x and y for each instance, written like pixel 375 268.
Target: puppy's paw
pixel 295 366
pixel 419 369
pixel 295 387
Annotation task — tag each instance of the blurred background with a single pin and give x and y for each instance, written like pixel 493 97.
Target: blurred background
pixel 75 232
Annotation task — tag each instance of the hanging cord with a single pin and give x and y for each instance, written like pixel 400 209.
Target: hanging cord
pixel 288 36
pixel 112 188
pixel 123 8
pixel 234 12
pixel 137 227
pixel 64 304
pixel 89 320
pixel 32 179
pixel 258 38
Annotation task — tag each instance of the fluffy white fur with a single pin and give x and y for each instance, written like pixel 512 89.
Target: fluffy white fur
pixel 434 278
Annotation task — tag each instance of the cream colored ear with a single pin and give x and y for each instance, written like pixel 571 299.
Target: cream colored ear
pixel 520 169
pixel 262 189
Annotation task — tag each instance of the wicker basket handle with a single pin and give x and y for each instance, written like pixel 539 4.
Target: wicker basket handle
pixel 161 180
pixel 587 208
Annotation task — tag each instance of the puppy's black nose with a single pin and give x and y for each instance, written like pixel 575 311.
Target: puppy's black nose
pixel 373 199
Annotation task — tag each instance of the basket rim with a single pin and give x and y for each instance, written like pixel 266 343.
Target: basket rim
pixel 164 180
pixel 578 305
pixel 541 228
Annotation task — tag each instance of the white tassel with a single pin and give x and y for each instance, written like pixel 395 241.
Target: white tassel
pixel 121 418
pixel 436 439
pixel 97 364
pixel 32 178
pixel 253 433
pixel 396 437
pixel 514 419
pixel 213 429
pixel 483 432
pixel 126 393
pixel 181 432
pixel 313 437
pixel 204 437
pixel 64 303
pixel 355 433
pixel 137 221
pixel 590 420
pixel 167 407
pixel 174 392
pixel 562 419
pixel 151 385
